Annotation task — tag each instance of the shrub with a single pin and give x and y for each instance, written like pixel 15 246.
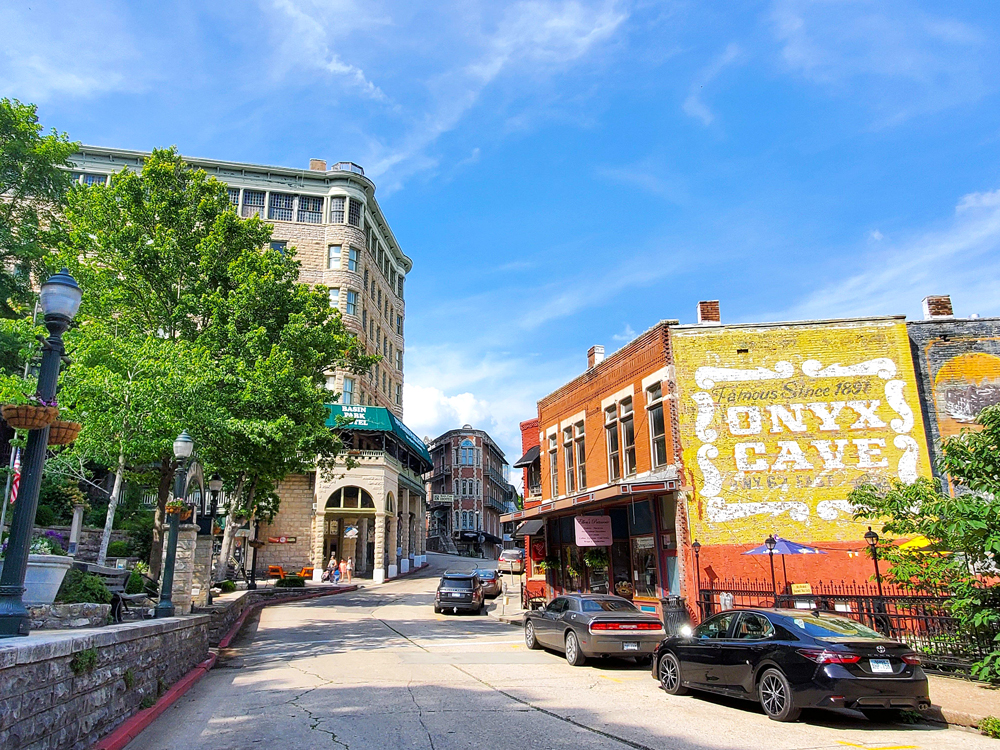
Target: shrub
pixel 227 587
pixel 48 544
pixel 45 516
pixel 135 583
pixel 119 549
pixel 84 661
pixel 291 582
pixel 83 588
pixel 990 726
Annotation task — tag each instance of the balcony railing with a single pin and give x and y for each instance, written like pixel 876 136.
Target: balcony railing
pixel 348 166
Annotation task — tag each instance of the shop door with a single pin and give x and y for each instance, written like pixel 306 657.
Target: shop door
pixel 621 568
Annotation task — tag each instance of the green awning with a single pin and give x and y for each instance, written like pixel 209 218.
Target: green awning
pixel 378 419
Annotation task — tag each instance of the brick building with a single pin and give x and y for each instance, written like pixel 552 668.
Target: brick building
pixel 958 363
pixel 608 470
pixel 343 241
pixel 468 491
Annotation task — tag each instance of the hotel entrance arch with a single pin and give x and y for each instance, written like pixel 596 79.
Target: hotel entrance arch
pixel 349 526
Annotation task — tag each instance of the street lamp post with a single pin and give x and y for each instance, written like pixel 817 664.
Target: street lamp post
pixel 183 448
pixel 59 299
pixel 872 538
pixel 770 543
pixel 697 572
pixel 252 583
pixel 215 487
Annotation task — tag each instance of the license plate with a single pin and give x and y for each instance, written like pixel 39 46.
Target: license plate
pixel 455 596
pixel 630 645
pixel 880 666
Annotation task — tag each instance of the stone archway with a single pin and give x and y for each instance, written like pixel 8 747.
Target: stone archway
pixel 348 514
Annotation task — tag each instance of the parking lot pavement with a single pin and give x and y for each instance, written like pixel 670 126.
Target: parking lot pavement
pixel 378 669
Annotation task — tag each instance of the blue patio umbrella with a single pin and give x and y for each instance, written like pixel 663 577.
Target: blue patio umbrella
pixel 783 547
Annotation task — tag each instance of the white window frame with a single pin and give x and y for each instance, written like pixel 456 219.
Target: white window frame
pixel 347 393
pixel 654 402
pixel 333 257
pixel 335 297
pixel 352 302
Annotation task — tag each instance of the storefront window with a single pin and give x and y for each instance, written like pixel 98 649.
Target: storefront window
pixel 644 565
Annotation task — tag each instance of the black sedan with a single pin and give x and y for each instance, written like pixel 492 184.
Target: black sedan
pixel 590 625
pixel 788 659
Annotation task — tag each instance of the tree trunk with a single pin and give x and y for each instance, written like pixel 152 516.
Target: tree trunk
pixel 229 533
pixel 109 521
pixel 167 468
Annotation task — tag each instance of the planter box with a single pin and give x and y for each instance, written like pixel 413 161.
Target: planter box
pixel 44 577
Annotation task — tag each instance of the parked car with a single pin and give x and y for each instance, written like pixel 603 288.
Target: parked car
pixel 591 625
pixel 788 659
pixel 459 590
pixel 511 561
pixel 491 582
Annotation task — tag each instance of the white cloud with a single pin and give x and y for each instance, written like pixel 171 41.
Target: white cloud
pixel 626 335
pixel 875 235
pixel 651 178
pixel 961 258
pixel 44 55
pixel 890 55
pixel 694 105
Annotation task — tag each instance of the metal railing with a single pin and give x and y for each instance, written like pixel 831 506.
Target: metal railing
pixel 917 617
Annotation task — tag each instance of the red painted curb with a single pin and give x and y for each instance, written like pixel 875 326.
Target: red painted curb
pixel 133 725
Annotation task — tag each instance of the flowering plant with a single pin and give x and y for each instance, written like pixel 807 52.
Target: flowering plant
pixel 45 545
pixel 36 400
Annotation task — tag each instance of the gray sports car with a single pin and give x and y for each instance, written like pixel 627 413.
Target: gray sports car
pixel 589 625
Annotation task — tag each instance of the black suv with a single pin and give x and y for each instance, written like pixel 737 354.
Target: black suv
pixel 459 590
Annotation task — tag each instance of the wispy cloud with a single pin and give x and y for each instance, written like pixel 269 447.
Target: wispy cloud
pixel 962 258
pixel 694 105
pixel 649 178
pixel 920 62
pixel 627 334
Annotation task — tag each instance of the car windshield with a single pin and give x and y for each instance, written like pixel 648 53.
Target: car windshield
pixel 607 605
pixel 833 627
pixel 486 573
pixel 510 555
pixel 457 583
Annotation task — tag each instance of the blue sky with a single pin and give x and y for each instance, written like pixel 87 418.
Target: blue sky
pixel 569 173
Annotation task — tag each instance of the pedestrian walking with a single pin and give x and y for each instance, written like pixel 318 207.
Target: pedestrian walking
pixel 331 569
pixel 343 570
pixel 350 569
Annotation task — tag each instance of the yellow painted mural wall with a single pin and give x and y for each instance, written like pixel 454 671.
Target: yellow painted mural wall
pixel 779 423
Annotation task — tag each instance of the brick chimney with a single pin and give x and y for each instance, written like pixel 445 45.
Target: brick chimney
pixel 317 165
pixel 708 312
pixel 595 355
pixel 938 306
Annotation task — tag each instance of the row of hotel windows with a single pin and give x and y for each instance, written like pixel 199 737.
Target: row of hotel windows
pixel 468 487
pixel 375 333
pixel 468 519
pixel 619 434
pixel 350 395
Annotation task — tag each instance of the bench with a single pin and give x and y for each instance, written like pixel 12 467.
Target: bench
pixel 275 571
pixel 306 572
pixel 115 579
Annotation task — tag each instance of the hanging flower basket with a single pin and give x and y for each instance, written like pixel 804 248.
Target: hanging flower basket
pixel 179 508
pixel 63 433
pixel 29 416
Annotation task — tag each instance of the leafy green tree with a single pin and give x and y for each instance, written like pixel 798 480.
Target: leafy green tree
pixel 135 394
pixel 963 530
pixel 34 178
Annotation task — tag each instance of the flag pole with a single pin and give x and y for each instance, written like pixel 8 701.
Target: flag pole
pixel 6 492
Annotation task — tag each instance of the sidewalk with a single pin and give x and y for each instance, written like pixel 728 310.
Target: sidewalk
pixel 962 702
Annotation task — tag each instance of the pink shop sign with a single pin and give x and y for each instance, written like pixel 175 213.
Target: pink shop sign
pixel 593 531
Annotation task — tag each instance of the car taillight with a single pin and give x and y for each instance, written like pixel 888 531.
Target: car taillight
pixel 911 659
pixel 625 626
pixel 822 656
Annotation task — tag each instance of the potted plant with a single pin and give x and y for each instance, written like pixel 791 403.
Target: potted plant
pixel 47 566
pixel 596 557
pixel 549 563
pixel 179 508
pixel 62 432
pixel 33 415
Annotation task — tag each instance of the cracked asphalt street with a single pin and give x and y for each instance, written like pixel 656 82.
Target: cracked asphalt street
pixel 378 669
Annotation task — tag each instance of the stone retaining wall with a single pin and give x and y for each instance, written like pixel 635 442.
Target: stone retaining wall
pixel 225 613
pixel 52 699
pixel 62 616
pixel 90 539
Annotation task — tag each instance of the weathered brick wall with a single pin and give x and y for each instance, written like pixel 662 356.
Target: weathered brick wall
pixel 958 366
pixel 45 705
pixel 294 519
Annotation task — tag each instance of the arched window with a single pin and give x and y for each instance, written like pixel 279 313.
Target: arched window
pixel 350 497
pixel 467 452
pixel 390 504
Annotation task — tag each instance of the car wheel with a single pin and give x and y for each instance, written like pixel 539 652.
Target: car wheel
pixel 881 715
pixel 669 672
pixel 574 656
pixel 529 636
pixel 437 610
pixel 775 695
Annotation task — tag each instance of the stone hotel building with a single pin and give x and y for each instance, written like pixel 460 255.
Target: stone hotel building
pixel 343 241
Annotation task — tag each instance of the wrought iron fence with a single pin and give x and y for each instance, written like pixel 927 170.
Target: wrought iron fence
pixel 919 618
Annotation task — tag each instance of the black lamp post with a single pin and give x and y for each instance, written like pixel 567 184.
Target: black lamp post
pixel 252 583
pixel 214 487
pixel 697 572
pixel 60 300
pixel 183 448
pixel 770 543
pixel 872 538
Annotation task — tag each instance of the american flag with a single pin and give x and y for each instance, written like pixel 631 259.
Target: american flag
pixel 17 476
